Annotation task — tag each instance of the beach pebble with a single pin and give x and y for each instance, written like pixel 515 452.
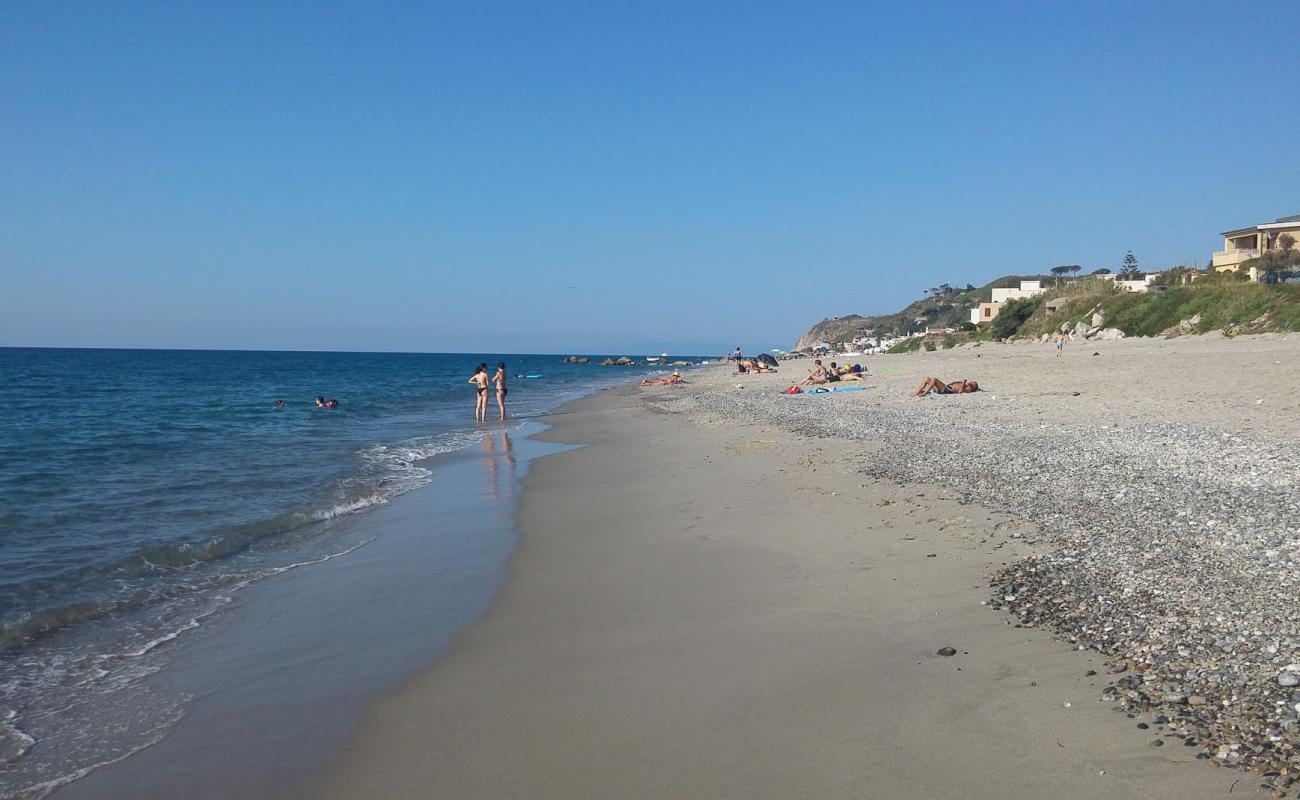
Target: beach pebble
pixel 1168 546
pixel 946 651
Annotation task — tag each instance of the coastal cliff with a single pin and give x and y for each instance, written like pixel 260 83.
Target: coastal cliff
pixel 942 306
pixel 834 330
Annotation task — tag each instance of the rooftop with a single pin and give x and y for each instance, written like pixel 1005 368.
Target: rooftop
pixel 1281 222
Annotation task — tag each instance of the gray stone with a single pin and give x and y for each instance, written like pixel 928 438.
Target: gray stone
pixel 946 651
pixel 1167 547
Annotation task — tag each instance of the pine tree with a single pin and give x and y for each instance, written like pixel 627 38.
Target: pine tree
pixel 1130 267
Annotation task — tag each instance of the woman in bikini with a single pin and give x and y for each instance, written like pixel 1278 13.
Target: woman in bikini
pixel 671 380
pixel 500 380
pixel 939 387
pixel 480 381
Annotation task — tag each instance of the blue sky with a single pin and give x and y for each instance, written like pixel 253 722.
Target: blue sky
pixel 606 177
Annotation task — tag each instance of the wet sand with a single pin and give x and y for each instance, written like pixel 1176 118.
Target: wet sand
pixel 280 679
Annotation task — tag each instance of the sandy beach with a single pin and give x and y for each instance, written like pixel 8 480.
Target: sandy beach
pixel 731 593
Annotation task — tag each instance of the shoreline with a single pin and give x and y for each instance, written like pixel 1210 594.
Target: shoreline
pixel 277 682
pixel 706 607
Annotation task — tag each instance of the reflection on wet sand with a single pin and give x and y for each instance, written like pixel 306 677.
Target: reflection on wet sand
pixel 496 448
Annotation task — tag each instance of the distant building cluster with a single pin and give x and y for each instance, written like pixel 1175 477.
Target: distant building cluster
pixel 1240 246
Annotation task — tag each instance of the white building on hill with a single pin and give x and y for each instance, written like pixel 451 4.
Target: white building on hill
pixel 985 312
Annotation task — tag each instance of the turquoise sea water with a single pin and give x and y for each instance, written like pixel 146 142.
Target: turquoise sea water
pixel 140 490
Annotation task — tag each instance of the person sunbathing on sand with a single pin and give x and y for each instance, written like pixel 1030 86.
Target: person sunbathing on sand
pixel 752 365
pixel 818 374
pixel 939 387
pixel 671 380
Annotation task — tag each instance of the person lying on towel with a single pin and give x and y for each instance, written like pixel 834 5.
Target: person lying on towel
pixel 939 387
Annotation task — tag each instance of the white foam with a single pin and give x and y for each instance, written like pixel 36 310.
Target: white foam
pixel 21 741
pixel 400 465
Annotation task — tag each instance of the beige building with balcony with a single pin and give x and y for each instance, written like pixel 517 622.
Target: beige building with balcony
pixel 1244 244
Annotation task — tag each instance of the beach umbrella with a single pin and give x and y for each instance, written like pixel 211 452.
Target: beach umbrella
pixel 764 358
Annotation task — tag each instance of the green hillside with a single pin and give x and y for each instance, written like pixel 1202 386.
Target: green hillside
pixel 943 306
pixel 1214 302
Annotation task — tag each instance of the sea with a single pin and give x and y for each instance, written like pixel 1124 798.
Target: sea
pixel 142 490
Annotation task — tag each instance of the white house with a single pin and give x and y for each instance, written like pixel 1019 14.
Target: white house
pixel 1134 285
pixel 985 312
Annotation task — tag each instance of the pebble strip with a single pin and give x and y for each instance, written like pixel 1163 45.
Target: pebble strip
pixel 1172 549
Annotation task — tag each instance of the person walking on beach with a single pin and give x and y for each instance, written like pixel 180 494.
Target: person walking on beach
pixel 1059 338
pixel 480 381
pixel 500 380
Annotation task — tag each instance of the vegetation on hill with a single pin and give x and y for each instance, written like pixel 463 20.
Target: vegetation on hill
pixel 1224 301
pixel 1216 302
pixel 942 306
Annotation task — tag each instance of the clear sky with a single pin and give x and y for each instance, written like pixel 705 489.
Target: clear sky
pixel 563 177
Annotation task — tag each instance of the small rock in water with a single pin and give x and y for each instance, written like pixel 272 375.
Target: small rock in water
pixel 1157 742
pixel 947 651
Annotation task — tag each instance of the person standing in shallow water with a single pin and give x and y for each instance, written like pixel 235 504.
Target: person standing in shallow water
pixel 500 380
pixel 480 381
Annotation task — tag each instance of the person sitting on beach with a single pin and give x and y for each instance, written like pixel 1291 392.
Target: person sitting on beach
pixel 818 374
pixel 939 387
pixel 671 380
pixel 833 374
